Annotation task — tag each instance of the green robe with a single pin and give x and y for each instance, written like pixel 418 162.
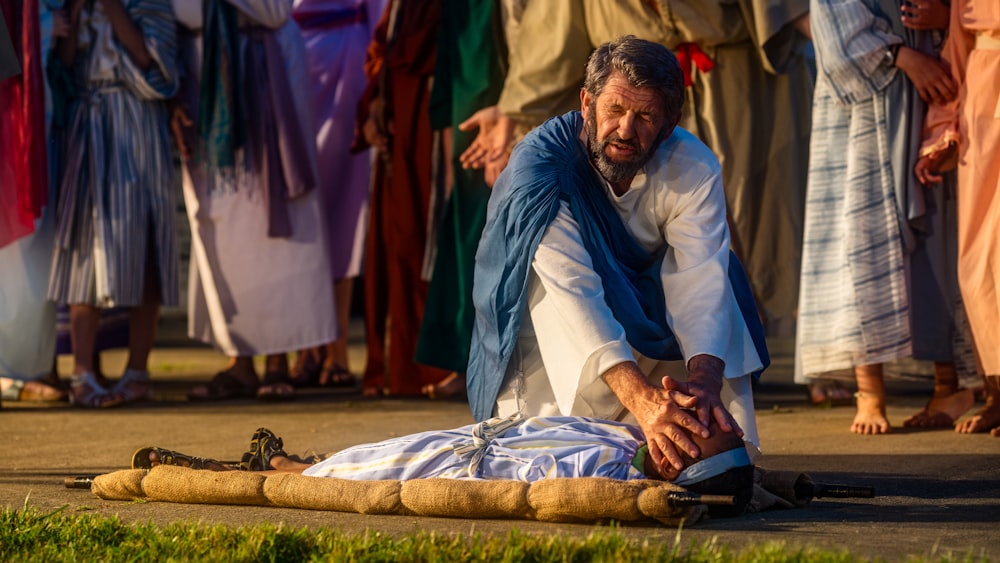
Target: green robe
pixel 468 77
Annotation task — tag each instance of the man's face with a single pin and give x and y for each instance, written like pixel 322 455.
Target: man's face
pixel 624 126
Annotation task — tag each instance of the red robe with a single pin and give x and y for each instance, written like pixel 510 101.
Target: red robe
pixel 23 175
pixel 400 65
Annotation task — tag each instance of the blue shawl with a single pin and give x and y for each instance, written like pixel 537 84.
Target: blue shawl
pixel 547 167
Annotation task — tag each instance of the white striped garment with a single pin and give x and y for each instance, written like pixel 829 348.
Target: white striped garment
pixel 116 187
pixel 531 450
pixel 853 302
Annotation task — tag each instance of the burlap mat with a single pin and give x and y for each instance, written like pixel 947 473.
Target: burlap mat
pixel 582 499
pixel 587 499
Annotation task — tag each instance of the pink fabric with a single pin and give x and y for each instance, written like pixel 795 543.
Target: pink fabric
pixel 973 122
pixel 336 58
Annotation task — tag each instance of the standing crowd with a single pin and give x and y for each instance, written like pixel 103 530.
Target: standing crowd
pixel 557 207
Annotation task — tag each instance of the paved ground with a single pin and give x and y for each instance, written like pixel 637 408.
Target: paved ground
pixel 938 492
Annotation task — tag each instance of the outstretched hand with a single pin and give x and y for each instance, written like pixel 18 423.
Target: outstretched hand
pixel 489 150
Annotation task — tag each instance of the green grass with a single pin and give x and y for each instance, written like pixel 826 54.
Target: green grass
pixel 27 535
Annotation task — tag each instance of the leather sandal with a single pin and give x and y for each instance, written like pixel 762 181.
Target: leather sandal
pixel 337 375
pixel 141 460
pixel 86 392
pixel 224 385
pixel 134 386
pixel 277 386
pixel 264 445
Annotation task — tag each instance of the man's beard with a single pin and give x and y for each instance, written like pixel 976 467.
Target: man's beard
pixel 614 170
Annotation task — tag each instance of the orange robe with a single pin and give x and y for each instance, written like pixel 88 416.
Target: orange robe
pixel 972 121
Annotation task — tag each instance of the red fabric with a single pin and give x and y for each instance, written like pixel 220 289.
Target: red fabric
pixel 691 53
pixel 23 174
pixel 394 291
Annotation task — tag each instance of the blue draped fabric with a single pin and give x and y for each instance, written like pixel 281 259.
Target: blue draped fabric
pixel 549 166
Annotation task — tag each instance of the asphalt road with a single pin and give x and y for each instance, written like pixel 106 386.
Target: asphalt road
pixel 937 492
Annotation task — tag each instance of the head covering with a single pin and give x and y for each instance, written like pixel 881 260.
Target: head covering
pixel 712 466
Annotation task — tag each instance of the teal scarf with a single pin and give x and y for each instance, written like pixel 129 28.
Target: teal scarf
pixel 220 113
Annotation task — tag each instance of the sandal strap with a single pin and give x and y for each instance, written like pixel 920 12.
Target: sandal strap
pixel 87 392
pixel 264 445
pixel 225 385
pixel 140 459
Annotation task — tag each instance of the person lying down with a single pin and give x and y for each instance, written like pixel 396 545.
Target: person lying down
pixel 527 450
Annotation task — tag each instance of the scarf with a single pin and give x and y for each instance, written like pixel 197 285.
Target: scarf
pixel 221 116
pixel 277 155
pixel 550 166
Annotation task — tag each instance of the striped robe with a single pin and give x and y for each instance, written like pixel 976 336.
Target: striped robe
pixel 500 448
pixel 867 271
pixel 116 187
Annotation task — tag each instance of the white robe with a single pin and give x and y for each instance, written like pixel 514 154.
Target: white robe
pixel 570 337
pixel 252 294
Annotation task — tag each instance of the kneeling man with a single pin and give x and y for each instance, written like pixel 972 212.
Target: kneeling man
pixel 606 254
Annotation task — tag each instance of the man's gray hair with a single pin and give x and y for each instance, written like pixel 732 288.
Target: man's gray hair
pixel 644 64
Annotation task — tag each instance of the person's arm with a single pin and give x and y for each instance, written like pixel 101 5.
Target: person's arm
pixel 929 76
pixel 779 29
pixel 593 362
pixel 699 300
pixel 941 130
pixel 146 39
pixel 925 14
pixel 128 34
pixel 547 62
pixel 660 412
pixel 66 46
pixel 851 44
pixel 370 129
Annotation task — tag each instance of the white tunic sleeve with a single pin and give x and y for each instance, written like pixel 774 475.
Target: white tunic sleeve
pixel 578 337
pixel 682 194
pixel 676 206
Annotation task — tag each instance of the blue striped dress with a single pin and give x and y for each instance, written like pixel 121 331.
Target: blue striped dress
pixel 869 287
pixel 116 197
pixel 500 448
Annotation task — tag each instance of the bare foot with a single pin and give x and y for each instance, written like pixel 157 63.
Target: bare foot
pixel 41 390
pixel 374 392
pixel 871 418
pixel 942 411
pixel 452 386
pixel 986 419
